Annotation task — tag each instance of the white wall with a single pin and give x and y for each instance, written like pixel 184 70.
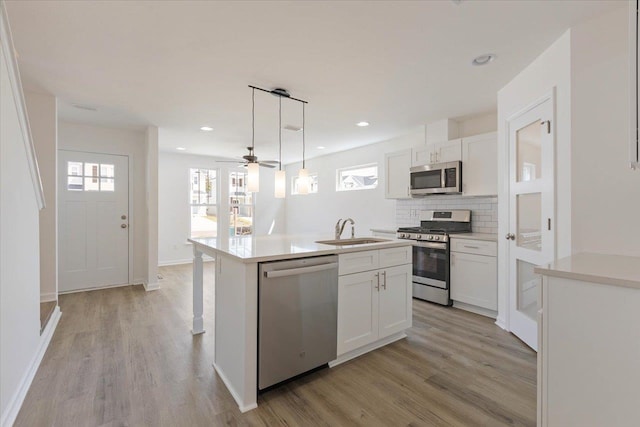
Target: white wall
pixel 605 191
pixel 43 120
pixel 19 254
pixel 98 139
pixel 550 70
pixel 477 124
pixel 368 208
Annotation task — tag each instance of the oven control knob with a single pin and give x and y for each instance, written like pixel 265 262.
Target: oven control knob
pixel 429 237
pixel 437 238
pixel 419 236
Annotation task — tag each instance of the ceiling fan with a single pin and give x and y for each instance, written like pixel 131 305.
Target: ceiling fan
pixel 251 158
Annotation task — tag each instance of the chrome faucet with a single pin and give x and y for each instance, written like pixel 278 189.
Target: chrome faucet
pixel 340 229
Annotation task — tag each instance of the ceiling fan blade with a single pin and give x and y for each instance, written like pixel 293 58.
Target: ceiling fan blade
pixel 230 161
pixel 266 165
pixel 270 162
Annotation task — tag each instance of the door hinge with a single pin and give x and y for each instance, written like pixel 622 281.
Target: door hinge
pixel 549 224
pixel 548 124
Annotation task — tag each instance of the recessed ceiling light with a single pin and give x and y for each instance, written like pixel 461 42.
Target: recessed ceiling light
pixel 483 59
pixel 362 124
pixel 206 128
pixel 180 148
pixel 320 147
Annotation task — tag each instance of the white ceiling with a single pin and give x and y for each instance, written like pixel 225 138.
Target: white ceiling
pixel 180 65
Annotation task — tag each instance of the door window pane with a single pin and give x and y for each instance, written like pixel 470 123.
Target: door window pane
pixel 107 184
pixel 528 292
pixel 74 168
pixel 91 169
pixel 240 205
pixel 74 183
pixel 106 171
pixel 91 184
pixel 204 221
pixel 529 208
pixel 529 152
pixel 97 177
pixel 203 197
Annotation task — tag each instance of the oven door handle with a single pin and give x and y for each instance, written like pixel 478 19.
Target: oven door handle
pixel 430 245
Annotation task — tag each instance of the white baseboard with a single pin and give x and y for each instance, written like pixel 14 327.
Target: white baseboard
pixel 151 286
pixel 205 258
pixel 50 296
pixel 13 407
pixel 475 309
pixel 367 348
pixel 98 288
pixel 502 323
pixel 244 407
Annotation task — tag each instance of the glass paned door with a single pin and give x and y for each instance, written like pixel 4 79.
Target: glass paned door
pixel 531 214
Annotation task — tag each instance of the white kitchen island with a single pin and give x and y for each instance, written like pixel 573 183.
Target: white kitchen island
pixel 370 313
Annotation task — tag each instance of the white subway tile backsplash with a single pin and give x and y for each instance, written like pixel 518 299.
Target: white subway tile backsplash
pixel 484 210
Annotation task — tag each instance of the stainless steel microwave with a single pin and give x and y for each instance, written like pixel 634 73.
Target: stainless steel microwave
pixel 438 178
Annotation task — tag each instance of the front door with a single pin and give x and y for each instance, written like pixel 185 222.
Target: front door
pixel 531 212
pixel 93 220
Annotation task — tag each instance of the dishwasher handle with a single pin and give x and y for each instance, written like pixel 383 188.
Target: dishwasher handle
pixel 300 270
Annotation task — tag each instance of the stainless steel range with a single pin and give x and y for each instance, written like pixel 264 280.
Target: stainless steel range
pixel 431 251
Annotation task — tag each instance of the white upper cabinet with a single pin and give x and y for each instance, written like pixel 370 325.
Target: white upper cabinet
pixel 480 165
pixel 441 152
pixel 397 167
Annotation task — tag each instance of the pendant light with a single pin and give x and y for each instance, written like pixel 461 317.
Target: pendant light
pixel 253 168
pixel 281 178
pixel 303 174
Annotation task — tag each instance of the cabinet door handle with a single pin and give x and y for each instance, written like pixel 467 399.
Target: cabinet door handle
pixel 377 281
pixel 453 259
pixel 431 157
pixel 384 280
pixel 471 247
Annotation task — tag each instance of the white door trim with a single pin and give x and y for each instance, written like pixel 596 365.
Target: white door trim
pixel 504 319
pixel 132 213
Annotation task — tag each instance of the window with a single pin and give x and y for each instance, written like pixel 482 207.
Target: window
pixel 203 199
pixel 90 176
pixel 240 205
pixel 313 184
pixel 362 177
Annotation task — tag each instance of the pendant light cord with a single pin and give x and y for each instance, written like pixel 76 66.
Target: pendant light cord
pixel 253 121
pixel 303 130
pixel 280 130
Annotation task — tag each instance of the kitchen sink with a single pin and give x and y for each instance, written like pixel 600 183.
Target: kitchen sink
pixel 355 241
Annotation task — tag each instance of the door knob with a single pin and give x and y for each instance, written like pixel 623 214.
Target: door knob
pixel 510 236
pixel 123 217
pixel 123 225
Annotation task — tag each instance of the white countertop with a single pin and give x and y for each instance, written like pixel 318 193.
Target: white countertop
pixel 617 270
pixel 276 247
pixel 475 236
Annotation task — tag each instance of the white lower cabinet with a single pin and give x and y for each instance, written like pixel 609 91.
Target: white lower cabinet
pixel 474 274
pixel 374 304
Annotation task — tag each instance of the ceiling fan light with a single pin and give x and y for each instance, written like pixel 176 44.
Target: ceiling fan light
pixel 281 184
pixel 303 181
pixel 253 178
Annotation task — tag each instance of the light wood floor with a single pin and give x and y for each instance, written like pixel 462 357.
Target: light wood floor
pixel 124 357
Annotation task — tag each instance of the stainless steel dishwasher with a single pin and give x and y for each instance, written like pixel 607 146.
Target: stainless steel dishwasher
pixel 298 317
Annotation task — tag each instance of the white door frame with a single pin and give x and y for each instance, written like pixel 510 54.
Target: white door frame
pixel 132 226
pixel 551 95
